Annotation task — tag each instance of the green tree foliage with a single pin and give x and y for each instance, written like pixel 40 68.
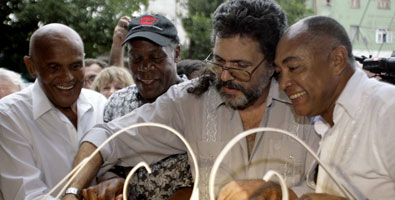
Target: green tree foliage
pixel 197 23
pixel 94 20
pixel 295 9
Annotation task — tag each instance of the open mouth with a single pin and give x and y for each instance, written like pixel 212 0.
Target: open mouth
pixel 147 81
pixel 64 87
pixel 229 90
pixel 297 95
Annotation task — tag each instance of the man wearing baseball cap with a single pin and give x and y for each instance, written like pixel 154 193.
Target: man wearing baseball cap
pixel 153 51
pixel 156 28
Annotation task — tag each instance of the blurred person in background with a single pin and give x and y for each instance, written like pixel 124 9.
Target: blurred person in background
pixel 10 82
pixel 111 79
pixel 92 68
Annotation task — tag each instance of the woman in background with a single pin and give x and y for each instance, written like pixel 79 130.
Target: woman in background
pixel 111 79
pixel 10 82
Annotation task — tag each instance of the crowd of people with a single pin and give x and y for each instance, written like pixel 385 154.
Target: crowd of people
pixel 260 73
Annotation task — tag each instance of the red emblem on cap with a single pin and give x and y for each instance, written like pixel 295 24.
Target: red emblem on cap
pixel 147 20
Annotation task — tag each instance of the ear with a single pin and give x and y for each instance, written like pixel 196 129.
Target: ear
pixel 29 66
pixel 177 55
pixel 338 59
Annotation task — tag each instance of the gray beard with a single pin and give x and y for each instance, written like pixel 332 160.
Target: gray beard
pixel 250 95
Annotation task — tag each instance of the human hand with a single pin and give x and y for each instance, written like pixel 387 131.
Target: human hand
pixel 120 31
pixel 316 196
pixel 106 190
pixel 69 197
pixel 252 189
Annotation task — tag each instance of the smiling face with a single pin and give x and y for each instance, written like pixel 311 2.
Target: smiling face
pixel 307 74
pixel 242 53
pixel 57 62
pixel 109 88
pixel 153 67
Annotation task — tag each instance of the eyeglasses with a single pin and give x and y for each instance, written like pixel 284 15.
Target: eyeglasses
pixel 240 74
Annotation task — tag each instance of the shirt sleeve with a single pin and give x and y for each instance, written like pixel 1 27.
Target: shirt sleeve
pixel 385 131
pixel 149 144
pixel 108 114
pixel 121 102
pixel 19 175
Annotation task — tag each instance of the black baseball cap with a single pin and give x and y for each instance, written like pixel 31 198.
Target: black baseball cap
pixel 156 28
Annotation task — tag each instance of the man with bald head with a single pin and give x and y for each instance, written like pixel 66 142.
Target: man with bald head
pixel 355 114
pixel 40 126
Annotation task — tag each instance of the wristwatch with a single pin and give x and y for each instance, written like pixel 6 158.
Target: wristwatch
pixel 74 191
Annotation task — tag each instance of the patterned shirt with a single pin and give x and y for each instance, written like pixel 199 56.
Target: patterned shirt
pixel 168 175
pixel 124 101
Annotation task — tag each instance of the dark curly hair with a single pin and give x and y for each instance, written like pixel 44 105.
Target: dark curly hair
pixel 262 20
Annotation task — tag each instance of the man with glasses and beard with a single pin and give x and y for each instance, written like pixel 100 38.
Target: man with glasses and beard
pixel 236 93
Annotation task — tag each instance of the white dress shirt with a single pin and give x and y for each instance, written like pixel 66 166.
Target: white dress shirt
pixel 38 142
pixel 359 148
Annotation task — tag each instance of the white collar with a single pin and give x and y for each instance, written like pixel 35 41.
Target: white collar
pixel 41 104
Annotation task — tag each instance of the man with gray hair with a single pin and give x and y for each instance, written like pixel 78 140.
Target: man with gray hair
pixel 10 82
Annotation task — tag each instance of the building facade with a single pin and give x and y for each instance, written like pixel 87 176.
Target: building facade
pixel 369 23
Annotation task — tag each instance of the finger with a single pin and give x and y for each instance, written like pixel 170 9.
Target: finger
pixel 124 22
pixel 228 191
pixel 119 197
pixel 305 197
pixel 84 194
pixel 91 194
pixel 106 194
pixel 126 18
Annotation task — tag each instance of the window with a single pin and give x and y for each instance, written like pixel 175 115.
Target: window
pixel 354 33
pixel 355 3
pixel 383 36
pixel 383 4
